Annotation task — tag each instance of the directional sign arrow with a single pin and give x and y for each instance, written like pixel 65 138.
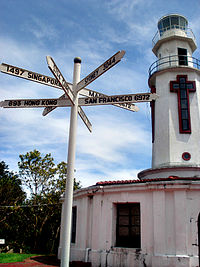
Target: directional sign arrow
pixel 80 111
pixel 115 99
pixel 91 93
pixel 84 101
pixel 100 70
pixel 50 81
pixel 51 108
pixel 84 118
pixel 29 75
pixel 35 103
pixel 56 72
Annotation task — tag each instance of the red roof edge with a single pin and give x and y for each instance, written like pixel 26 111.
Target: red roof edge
pixel 147 180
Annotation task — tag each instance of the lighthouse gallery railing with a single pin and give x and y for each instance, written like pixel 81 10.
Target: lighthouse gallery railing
pixel 172 30
pixel 173 61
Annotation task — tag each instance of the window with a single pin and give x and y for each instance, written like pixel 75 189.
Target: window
pixel 183 23
pixel 182 56
pixel 166 23
pixel 74 215
pixel 128 225
pixel 174 22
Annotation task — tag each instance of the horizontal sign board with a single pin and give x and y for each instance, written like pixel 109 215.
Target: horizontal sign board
pixel 84 118
pixel 80 112
pixel 56 72
pixel 29 75
pixel 48 109
pixel 40 103
pixel 91 93
pixel 35 103
pixel 115 99
pixel 100 70
pixel 50 81
pixel 85 101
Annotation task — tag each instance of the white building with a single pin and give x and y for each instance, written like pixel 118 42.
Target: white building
pixel 153 221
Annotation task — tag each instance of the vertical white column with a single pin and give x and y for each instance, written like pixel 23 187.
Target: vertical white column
pixel 66 239
pixel 159 222
pixel 181 221
pixel 61 231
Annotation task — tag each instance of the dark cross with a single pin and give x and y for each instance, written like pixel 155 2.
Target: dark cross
pixel 183 87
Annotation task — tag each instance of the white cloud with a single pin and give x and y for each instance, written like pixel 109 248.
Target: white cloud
pixel 129 13
pixel 42 29
pixel 124 9
pixel 90 171
pixel 16 52
pixel 118 137
pixel 112 137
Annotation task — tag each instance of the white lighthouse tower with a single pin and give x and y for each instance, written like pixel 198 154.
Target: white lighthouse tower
pixel 153 221
pixel 175 77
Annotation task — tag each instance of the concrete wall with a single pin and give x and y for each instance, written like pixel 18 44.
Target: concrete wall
pixel 169 213
pixel 169 143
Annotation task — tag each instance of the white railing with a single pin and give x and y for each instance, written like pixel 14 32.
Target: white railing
pixel 174 30
pixel 174 61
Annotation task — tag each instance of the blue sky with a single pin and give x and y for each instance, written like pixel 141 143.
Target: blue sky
pixel 120 144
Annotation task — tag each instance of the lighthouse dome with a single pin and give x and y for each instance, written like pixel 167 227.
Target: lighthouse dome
pixel 171 22
pixel 173 27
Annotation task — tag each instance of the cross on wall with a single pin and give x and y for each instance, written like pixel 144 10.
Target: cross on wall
pixel 183 87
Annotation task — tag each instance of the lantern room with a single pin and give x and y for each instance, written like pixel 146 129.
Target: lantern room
pixel 173 21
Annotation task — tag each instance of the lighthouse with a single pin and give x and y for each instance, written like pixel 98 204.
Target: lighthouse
pixel 152 221
pixel 175 77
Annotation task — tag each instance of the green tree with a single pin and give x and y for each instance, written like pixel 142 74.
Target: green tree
pixel 61 181
pixel 37 172
pixel 11 195
pixel 11 192
pixel 46 182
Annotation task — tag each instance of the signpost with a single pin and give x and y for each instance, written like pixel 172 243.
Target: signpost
pixel 71 99
pixel 56 72
pixel 84 101
pixel 84 118
pixel 47 80
pixel 115 99
pixel 35 103
pixel 29 75
pixel 101 69
pixel 91 93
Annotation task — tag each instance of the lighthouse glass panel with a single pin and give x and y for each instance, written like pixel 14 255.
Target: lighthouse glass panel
pixel 183 23
pixel 172 22
pixel 166 23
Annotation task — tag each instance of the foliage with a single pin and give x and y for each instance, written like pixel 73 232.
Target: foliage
pixel 42 176
pixel 61 181
pixel 14 257
pixel 33 224
pixel 37 172
pixel 11 192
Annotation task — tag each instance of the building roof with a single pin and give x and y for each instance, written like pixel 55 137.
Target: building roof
pixel 170 178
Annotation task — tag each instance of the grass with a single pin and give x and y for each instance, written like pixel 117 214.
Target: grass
pixel 14 257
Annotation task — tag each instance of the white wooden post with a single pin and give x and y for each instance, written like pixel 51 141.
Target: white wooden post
pixel 66 239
